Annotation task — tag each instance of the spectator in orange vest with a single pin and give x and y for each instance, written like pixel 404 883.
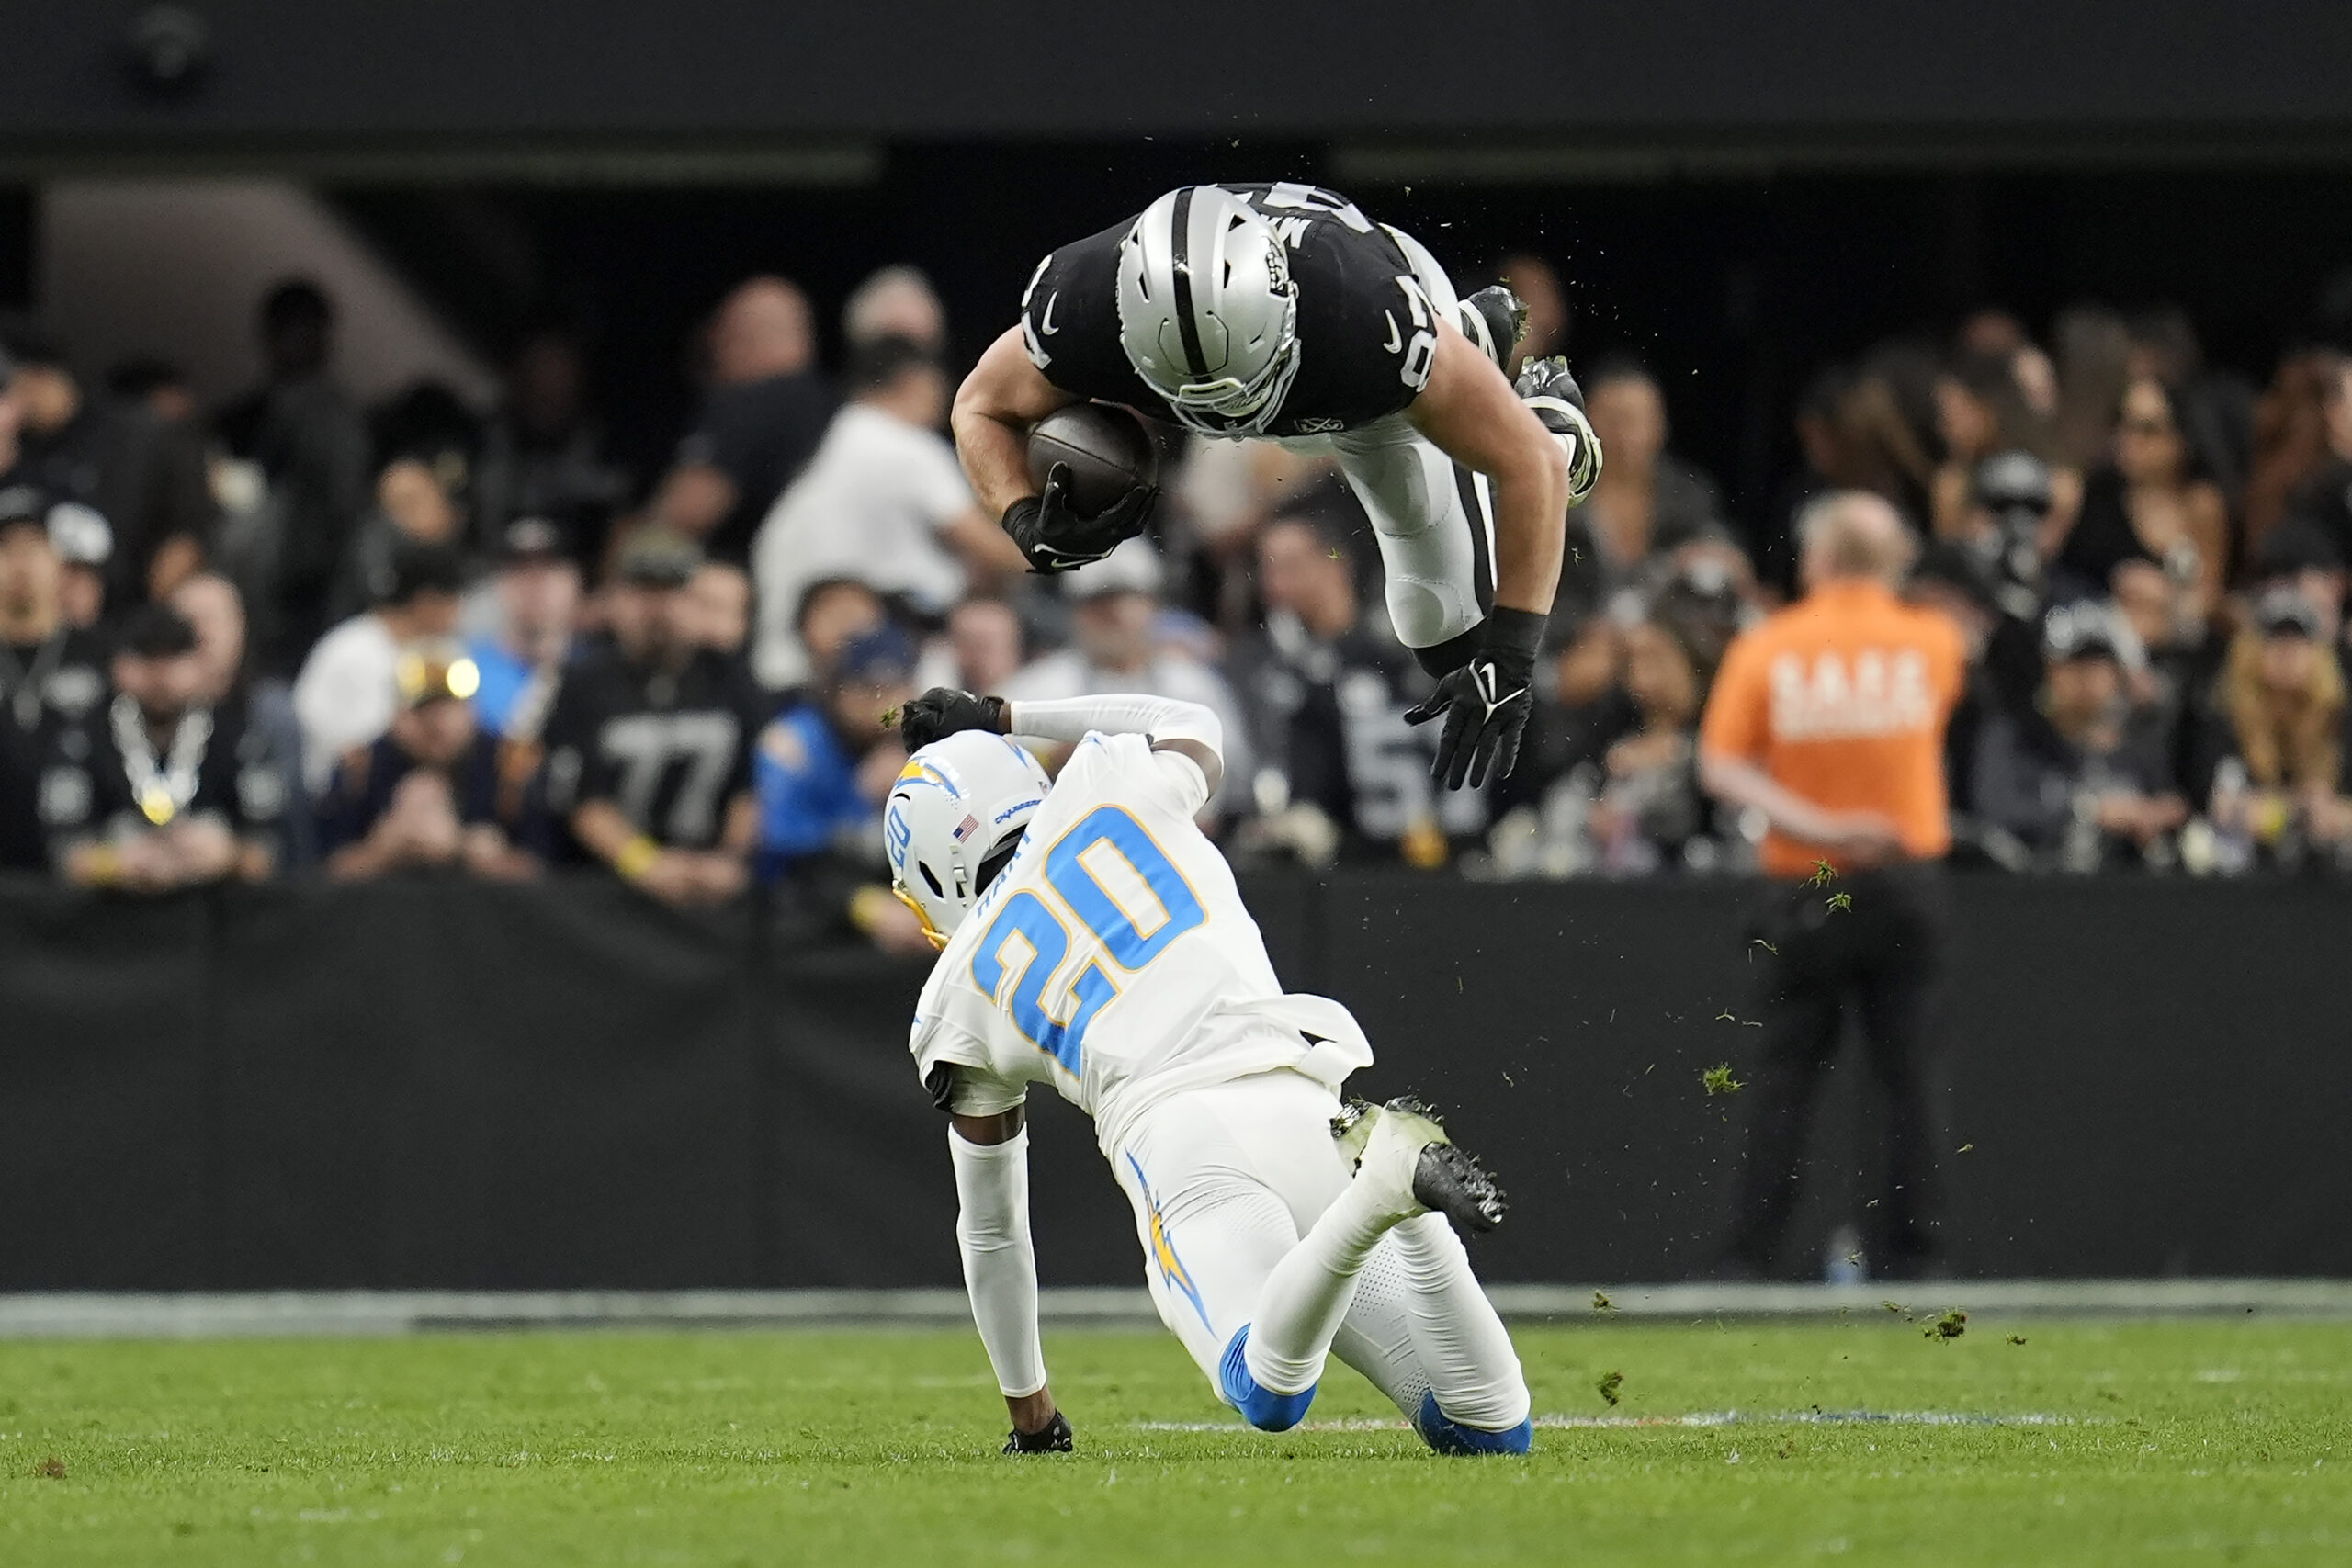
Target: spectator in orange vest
pixel 1827 722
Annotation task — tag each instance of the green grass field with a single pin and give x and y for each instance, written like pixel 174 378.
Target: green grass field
pixel 2175 1442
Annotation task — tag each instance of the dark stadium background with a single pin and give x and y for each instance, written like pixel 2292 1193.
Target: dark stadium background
pixel 1737 194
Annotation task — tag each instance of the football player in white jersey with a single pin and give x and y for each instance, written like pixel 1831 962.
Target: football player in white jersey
pixel 1282 313
pixel 1094 939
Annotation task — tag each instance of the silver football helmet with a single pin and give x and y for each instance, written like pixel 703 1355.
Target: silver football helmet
pixel 1208 314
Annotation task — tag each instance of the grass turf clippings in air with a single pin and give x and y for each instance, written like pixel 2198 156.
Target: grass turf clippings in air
pixel 2168 1442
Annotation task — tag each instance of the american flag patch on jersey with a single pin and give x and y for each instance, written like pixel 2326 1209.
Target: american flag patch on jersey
pixel 964 828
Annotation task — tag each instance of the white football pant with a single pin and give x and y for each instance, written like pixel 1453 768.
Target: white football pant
pixel 1227 1181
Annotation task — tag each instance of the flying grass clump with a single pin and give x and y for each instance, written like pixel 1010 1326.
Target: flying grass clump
pixel 1717 1079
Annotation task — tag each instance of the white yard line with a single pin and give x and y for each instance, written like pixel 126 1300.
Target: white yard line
pixel 1695 1418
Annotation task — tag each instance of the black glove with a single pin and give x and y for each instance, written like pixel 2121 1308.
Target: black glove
pixel 1054 1439
pixel 1056 539
pixel 1486 702
pixel 943 711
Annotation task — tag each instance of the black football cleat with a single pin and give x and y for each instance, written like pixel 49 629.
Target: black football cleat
pixel 1550 378
pixel 1494 319
pixel 1404 1145
pixel 1551 393
pixel 1054 1439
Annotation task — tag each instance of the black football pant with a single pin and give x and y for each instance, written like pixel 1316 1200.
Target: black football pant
pixel 1880 954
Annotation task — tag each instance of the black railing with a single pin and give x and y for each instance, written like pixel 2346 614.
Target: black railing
pixel 562 1085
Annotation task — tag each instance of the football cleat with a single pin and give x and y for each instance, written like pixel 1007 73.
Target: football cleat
pixel 1351 1129
pixel 1403 1145
pixel 1054 1439
pixel 1547 387
pixel 1494 319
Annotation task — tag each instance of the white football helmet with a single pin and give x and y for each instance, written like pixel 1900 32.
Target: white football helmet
pixel 957 803
pixel 1208 314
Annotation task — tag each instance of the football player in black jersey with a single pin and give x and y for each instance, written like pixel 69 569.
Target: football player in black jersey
pixel 1281 311
pixel 649 765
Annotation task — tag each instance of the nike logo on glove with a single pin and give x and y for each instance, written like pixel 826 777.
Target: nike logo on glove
pixel 1046 324
pixel 1482 675
pixel 1396 338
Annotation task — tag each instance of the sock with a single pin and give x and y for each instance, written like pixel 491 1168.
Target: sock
pixel 1475 1376
pixel 1302 1302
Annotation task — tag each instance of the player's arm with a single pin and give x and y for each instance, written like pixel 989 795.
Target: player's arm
pixel 1004 395
pixel 1486 689
pixel 992 1156
pixel 1177 729
pixel 1472 414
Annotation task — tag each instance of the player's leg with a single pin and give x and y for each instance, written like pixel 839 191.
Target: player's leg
pixel 1212 1231
pixel 1405 1169
pixel 1221 1178
pixel 1477 1401
pixel 1434 520
pixel 1430 517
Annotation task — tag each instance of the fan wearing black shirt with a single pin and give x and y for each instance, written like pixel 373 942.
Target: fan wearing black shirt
pixel 1281 311
pixel 767 410
pixel 149 793
pixel 649 766
pixel 1326 692
pixel 52 674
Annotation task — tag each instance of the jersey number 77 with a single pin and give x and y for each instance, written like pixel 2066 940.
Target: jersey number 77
pixel 1109 876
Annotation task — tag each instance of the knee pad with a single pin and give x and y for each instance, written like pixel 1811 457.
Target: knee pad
pixel 1427 611
pixel 1261 1407
pixel 1452 1438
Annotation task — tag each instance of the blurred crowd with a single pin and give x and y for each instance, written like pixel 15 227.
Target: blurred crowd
pixel 295 636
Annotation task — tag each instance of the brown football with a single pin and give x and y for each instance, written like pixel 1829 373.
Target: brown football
pixel 1107 450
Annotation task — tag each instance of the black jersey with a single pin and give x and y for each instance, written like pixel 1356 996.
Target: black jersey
pixel 668 749
pixel 44 687
pixel 1329 717
pixel 1367 333
pixel 212 767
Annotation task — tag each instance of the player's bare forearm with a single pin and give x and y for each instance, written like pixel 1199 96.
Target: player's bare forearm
pixel 997 402
pixel 1472 414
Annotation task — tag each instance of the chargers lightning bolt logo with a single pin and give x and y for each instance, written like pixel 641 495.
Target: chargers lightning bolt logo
pixel 1172 1272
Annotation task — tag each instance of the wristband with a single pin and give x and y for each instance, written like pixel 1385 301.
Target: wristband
pixel 1515 631
pixel 635 858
